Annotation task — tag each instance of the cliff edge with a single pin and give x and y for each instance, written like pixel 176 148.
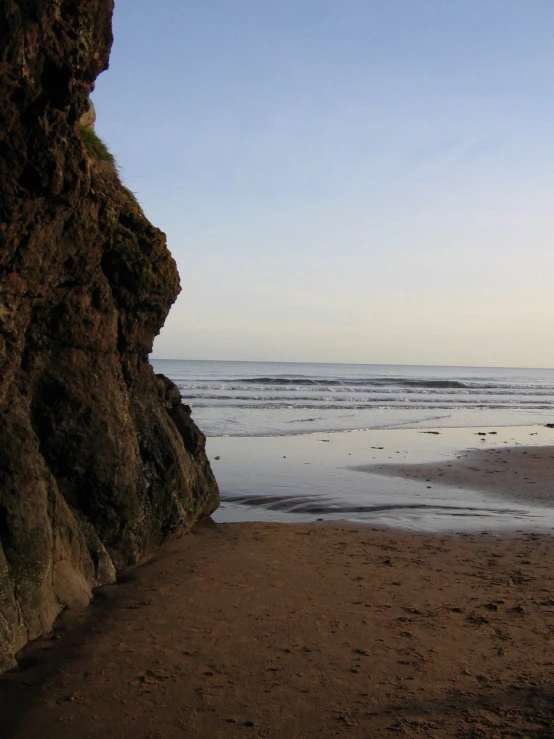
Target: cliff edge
pixel 99 460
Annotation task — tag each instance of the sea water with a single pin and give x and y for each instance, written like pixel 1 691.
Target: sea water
pixel 279 399
pixel 278 441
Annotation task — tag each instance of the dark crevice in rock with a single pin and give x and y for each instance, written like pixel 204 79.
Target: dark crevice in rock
pixel 56 84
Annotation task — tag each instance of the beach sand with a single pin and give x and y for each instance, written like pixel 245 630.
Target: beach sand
pixel 309 630
pixel 514 473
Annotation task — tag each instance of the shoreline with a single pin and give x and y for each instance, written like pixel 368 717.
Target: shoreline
pixel 276 630
pixel 400 479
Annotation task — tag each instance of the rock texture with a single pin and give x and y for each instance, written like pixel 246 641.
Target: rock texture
pixel 99 460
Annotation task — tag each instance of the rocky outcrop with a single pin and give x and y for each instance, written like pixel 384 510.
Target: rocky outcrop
pixel 88 119
pixel 99 460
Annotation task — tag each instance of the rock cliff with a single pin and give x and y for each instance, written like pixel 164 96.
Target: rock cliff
pixel 99 460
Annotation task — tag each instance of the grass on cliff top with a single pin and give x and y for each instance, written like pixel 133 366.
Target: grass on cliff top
pixel 95 147
pixel 133 198
pixel 97 150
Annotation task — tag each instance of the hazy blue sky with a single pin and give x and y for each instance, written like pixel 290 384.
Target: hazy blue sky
pixel 344 180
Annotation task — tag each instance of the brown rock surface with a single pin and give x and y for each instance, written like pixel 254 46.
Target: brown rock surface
pixel 99 460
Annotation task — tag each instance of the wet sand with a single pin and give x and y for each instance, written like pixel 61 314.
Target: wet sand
pixel 406 479
pixel 513 473
pixel 281 630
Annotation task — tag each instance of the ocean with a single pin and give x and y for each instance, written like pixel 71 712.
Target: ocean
pixel 287 441
pixel 279 399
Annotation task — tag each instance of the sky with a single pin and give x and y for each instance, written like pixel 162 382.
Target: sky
pixel 344 180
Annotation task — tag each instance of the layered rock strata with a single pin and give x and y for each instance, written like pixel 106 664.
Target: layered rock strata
pixel 99 460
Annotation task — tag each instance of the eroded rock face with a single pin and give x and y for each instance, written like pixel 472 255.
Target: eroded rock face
pixel 88 119
pixel 99 460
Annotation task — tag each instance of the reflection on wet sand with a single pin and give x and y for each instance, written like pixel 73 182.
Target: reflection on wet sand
pixel 452 479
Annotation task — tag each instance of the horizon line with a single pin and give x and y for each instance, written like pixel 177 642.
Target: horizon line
pixel 363 364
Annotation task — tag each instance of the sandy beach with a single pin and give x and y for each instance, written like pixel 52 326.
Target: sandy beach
pixel 513 473
pixel 309 630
